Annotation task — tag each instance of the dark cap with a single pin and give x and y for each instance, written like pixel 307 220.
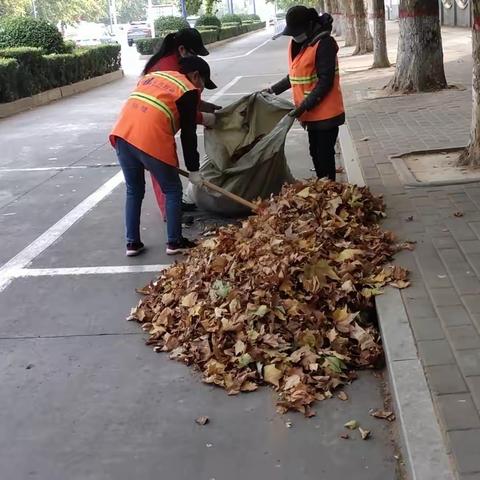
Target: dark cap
pixel 191 39
pixel 298 19
pixel 197 64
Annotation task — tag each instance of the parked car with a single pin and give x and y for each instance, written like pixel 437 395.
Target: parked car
pixel 90 35
pixel 138 30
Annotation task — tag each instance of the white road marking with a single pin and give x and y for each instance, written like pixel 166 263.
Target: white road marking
pixel 105 270
pixel 242 55
pixel 61 168
pixel 224 89
pixel 29 253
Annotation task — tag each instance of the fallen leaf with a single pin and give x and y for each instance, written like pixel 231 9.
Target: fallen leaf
pixel 352 425
pixel 364 433
pixel 202 420
pixel 458 214
pixel 400 284
pixel 342 396
pixel 345 436
pixel 383 414
pixel 409 218
pixel 288 424
pixel 272 374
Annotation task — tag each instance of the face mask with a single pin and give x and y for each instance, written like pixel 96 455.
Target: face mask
pixel 300 38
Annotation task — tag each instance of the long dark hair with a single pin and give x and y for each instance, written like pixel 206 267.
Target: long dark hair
pixel 167 47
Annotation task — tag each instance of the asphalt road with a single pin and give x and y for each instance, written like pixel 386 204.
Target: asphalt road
pixel 82 397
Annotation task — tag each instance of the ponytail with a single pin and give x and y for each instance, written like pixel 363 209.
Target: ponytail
pixel 166 48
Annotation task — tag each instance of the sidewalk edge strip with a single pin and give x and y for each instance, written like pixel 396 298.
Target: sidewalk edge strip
pixel 421 439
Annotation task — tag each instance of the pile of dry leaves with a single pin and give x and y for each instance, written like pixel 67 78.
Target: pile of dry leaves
pixel 279 299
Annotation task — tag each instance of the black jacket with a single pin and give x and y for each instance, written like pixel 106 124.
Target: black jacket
pixel 325 63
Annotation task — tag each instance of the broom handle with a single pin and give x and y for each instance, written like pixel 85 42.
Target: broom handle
pixel 220 190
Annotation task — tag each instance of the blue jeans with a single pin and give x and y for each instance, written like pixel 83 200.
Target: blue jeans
pixel 134 162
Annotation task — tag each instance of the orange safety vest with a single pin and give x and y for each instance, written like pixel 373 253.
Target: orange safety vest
pixel 150 119
pixel 303 78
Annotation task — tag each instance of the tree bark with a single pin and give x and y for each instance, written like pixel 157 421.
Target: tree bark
pixel 380 55
pixel 420 54
pixel 362 32
pixel 328 6
pixel 471 155
pixel 337 22
pixel 321 6
pixel 348 23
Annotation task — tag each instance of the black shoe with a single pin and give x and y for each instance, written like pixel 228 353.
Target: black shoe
pixel 179 247
pixel 134 249
pixel 188 207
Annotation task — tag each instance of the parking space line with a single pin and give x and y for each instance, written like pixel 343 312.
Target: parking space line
pixel 242 55
pixel 39 245
pixel 59 169
pixel 102 270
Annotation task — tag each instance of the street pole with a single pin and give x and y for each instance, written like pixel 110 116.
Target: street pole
pixel 254 8
pixel 34 7
pixel 184 8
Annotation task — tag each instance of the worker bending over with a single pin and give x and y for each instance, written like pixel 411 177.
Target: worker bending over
pixel 314 78
pixel 144 138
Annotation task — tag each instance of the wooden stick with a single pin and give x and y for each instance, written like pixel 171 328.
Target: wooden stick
pixel 220 190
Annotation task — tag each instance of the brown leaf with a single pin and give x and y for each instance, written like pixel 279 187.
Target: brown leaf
pixel 342 396
pixel 383 414
pixel 364 433
pixel 202 420
pixel 458 214
pixel 272 374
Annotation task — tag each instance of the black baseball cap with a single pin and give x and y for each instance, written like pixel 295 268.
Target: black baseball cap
pixel 197 64
pixel 298 18
pixel 191 39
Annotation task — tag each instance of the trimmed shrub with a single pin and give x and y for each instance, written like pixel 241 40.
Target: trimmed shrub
pixel 162 24
pixel 8 80
pixel 147 46
pixel 70 46
pixel 249 17
pixel 30 32
pixel 208 20
pixel 231 18
pixel 209 36
pixel 36 73
pixel 228 32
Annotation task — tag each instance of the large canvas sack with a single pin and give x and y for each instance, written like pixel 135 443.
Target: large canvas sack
pixel 259 172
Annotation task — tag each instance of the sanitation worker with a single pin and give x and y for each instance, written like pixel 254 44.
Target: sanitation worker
pixel 144 138
pixel 313 76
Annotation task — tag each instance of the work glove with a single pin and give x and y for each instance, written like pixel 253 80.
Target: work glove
pixel 195 178
pixel 267 90
pixel 208 120
pixel 295 113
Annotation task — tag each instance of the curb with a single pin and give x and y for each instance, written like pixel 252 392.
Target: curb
pixel 43 98
pixel 422 442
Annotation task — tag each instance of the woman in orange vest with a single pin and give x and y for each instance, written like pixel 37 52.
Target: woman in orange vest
pixel 314 78
pixel 183 43
pixel 144 138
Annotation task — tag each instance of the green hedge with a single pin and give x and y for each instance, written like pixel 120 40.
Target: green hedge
pixel 32 72
pixel 163 24
pixel 30 32
pixel 210 20
pixel 8 79
pixel 231 18
pixel 148 46
pixel 250 17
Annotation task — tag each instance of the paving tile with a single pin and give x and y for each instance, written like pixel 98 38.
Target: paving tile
pixel 427 329
pixel 454 260
pixel 472 302
pixel 465 447
pixel 474 386
pixel 444 296
pixel 444 379
pixel 469 476
pixel 419 307
pixel 470 246
pixel 467 284
pixel 469 361
pixel 464 337
pixel 460 229
pixel 445 242
pixel 435 352
pixel 458 411
pixel 455 315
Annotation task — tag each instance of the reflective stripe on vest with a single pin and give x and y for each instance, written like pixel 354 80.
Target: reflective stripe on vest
pixel 303 78
pixel 156 103
pixel 150 118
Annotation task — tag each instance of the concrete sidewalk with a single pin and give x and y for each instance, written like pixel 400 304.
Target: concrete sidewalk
pixel 443 303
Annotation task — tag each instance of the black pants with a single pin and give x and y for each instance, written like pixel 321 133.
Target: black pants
pixel 322 150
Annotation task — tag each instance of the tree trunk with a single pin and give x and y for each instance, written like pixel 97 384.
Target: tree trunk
pixel 471 155
pixel 328 6
pixel 420 54
pixel 337 22
pixel 380 55
pixel 321 6
pixel 348 23
pixel 362 32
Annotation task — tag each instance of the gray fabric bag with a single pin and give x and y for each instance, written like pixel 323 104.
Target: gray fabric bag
pixel 260 171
